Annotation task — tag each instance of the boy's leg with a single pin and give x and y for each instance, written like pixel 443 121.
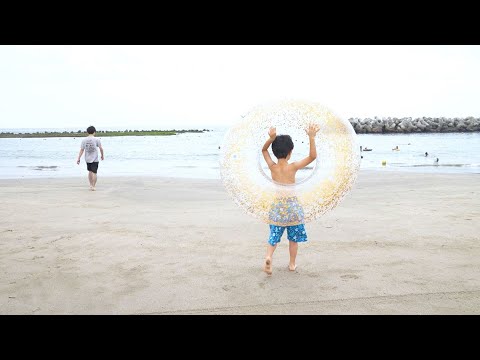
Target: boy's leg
pixel 94 174
pixel 94 180
pixel 292 248
pixel 276 233
pixel 296 234
pixel 268 259
pixel 90 179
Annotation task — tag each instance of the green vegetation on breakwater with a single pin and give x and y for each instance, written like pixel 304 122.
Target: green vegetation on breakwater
pixel 100 133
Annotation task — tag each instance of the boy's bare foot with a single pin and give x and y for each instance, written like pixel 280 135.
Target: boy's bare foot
pixel 91 188
pixel 268 266
pixel 292 267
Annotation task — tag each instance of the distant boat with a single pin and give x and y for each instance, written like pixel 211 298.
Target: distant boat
pixel 367 149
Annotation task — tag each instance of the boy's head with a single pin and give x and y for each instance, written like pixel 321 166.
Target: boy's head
pixel 91 130
pixel 282 146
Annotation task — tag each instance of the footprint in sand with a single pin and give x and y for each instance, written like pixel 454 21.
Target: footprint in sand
pixel 349 276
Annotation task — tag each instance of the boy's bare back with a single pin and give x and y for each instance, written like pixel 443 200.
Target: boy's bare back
pixel 283 172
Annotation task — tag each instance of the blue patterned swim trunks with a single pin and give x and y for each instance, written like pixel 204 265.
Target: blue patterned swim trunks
pixel 295 233
pixel 286 210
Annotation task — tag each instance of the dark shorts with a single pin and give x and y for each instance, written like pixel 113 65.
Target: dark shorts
pixel 93 167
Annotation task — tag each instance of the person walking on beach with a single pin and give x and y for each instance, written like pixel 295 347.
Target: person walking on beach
pixel 89 145
pixel 284 173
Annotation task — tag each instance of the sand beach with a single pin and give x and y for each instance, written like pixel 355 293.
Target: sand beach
pixel 399 243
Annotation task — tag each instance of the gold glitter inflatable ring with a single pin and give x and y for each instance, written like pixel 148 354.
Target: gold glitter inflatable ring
pixel 246 177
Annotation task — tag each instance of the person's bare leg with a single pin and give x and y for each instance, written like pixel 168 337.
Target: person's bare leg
pixel 94 180
pixel 90 179
pixel 268 259
pixel 293 248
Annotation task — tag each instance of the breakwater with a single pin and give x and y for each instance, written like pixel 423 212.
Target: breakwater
pixel 414 125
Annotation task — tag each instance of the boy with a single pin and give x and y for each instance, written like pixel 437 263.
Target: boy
pixel 89 145
pixel 284 173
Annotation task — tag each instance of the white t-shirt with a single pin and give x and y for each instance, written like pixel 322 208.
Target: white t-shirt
pixel 90 144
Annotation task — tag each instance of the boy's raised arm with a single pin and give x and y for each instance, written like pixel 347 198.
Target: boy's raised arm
pixel 311 132
pixel 272 133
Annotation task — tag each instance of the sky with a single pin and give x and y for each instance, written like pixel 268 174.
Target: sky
pixel 197 86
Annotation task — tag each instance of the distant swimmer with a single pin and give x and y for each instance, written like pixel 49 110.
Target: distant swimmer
pixel 436 161
pixel 426 153
pixel 396 148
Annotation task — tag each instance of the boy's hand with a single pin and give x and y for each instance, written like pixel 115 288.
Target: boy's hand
pixel 312 130
pixel 272 133
pixel 78 161
pixel 102 157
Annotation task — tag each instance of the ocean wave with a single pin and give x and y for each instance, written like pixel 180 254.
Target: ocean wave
pixel 39 167
pixel 437 165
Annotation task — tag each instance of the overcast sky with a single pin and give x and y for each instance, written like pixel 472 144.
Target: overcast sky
pixel 166 86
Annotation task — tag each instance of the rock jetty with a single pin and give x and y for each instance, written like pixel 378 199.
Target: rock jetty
pixel 414 125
